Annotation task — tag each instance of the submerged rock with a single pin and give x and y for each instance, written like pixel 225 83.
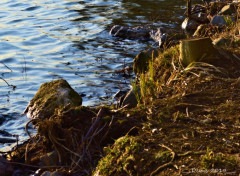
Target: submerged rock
pixel 52 95
pixel 161 36
pixel 139 33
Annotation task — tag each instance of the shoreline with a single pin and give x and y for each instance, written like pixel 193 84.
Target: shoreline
pixel 186 120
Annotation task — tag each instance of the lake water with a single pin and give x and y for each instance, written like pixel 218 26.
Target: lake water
pixel 43 40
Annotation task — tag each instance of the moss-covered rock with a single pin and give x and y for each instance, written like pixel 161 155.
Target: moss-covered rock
pixel 52 95
pixel 141 61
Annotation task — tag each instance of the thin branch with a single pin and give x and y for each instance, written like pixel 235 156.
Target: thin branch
pixel 5 81
pixel 6 66
pixel 99 116
pixel 10 85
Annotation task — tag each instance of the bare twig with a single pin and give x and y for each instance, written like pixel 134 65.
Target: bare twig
pixel 5 81
pixel 86 137
pixel 6 66
pixel 26 152
pixel 99 115
pixel 190 152
pixel 10 85
pixel 97 131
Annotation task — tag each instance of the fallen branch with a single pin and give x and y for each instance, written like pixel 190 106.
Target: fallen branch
pixel 10 85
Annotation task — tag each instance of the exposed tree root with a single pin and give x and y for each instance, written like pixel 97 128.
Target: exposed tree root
pixel 174 155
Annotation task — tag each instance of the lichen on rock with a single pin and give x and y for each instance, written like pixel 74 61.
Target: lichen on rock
pixel 52 95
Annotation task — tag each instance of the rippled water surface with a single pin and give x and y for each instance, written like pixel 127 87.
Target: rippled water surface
pixel 42 40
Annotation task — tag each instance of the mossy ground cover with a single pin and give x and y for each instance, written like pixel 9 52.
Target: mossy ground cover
pixel 200 125
pixel 192 122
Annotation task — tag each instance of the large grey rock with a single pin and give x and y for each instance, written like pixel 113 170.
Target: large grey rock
pixel 221 20
pixel 50 96
pixel 189 24
pixel 218 20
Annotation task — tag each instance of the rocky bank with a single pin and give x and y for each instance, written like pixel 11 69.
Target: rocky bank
pixel 180 118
